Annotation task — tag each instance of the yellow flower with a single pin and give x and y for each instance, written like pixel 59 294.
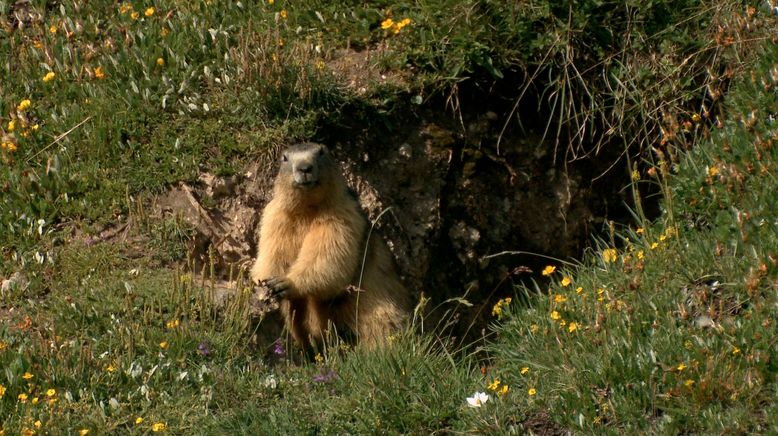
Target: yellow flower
pixel 161 63
pixel 504 390
pixel 609 255
pixel 83 432
pixel 387 23
pixel 524 370
pixel 548 270
pixel 534 328
pixel 138 420
pixel 110 368
pixel 641 255
pixel 555 315
pixel 134 15
pixel 563 323
pixel 639 230
pixel 37 44
pixel 27 376
pixel 49 77
pixel 28 432
pixel 566 281
pixel 713 171
pixel 2 391
pixel 53 29
pixel 163 344
pixel 158 427
pixel 37 424
pixel 735 351
pixel 24 104
pixel 270 2
pixel 173 324
pixel 164 32
pixel 497 309
pixel 22 397
pixel 681 366
pixel 688 383
pixel 635 175
pixel 149 11
pixel 51 392
pixel 578 290
pixel 11 125
pixel 531 392
pixel 99 73
pixel 404 22
pixel 559 298
pixel 319 358
pixel 696 118
pixel 283 14
pixel 493 385
pixel 654 245
pixel 35 400
pixel 572 327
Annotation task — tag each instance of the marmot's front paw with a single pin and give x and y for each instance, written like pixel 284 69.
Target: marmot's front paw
pixel 280 287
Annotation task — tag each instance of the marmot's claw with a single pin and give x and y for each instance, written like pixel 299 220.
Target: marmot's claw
pixel 279 286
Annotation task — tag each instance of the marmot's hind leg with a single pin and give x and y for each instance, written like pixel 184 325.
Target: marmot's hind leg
pixel 295 315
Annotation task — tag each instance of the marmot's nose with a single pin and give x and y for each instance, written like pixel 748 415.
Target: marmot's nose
pixel 305 168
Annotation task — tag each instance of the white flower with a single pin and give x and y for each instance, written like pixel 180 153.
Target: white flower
pixel 477 399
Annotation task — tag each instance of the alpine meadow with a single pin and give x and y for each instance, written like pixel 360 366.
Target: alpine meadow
pixel 131 132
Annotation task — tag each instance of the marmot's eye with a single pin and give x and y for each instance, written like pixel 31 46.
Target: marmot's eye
pixel 284 158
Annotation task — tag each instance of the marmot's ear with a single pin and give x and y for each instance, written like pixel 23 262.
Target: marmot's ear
pixel 322 150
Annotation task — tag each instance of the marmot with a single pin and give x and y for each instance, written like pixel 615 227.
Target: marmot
pixel 314 255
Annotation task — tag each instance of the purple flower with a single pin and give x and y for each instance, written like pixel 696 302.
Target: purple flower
pixel 278 349
pixel 203 349
pixel 324 378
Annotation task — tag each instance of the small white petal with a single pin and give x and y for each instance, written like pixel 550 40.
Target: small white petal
pixel 477 399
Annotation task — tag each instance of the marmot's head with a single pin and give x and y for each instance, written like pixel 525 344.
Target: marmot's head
pixel 307 170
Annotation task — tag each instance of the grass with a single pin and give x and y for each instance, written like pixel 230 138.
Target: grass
pixel 674 329
pixel 663 327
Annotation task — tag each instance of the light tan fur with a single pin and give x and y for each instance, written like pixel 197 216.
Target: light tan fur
pixel 313 238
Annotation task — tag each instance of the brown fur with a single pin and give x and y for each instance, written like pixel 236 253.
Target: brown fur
pixel 312 239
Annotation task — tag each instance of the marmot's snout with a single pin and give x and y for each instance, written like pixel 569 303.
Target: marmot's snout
pixel 305 173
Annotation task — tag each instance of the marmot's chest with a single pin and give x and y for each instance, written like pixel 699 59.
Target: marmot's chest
pixel 305 230
pixel 293 235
